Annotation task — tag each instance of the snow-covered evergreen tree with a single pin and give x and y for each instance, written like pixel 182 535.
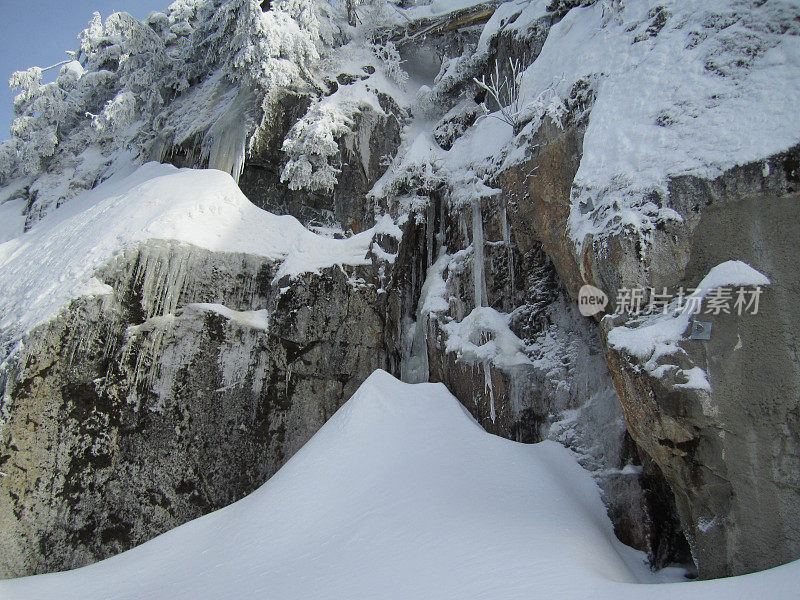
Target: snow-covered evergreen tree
pixel 203 79
pixel 203 75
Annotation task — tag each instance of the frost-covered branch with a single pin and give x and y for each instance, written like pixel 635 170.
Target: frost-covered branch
pixel 513 108
pixel 178 75
pixel 312 143
pixel 504 90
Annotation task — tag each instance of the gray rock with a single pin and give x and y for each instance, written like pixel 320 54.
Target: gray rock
pixel 731 455
pixel 129 414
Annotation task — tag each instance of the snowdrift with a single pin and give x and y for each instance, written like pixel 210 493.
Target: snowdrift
pixel 400 495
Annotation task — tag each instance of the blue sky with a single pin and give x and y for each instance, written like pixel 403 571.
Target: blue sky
pixel 37 33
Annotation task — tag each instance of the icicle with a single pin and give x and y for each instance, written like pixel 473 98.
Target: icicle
pixel 73 344
pixel 462 225
pixel 478 273
pixel 419 350
pixel 163 280
pixel 369 120
pixel 441 233
pixel 489 388
pixel 414 360
pixel 410 297
pixel 507 242
pixel 225 143
pixel 429 224
pixel 161 148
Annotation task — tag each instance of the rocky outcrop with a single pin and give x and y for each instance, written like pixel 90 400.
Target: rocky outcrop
pixel 363 156
pixel 187 377
pixel 555 383
pixel 192 376
pixel 179 390
pixel 728 454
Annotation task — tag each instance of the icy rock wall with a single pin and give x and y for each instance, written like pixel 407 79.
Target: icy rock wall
pixel 731 452
pixel 696 437
pixel 178 392
pixel 526 365
pixel 210 359
pixel 476 301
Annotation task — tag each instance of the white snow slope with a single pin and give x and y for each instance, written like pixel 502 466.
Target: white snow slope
pixel 400 495
pixel 684 87
pixel 200 207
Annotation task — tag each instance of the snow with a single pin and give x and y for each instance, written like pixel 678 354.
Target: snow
pixel 731 273
pixel 695 379
pixel 401 495
pixel 712 89
pixel 93 287
pixel 421 162
pixel 483 336
pixel 200 207
pixel 655 336
pixel 421 10
pixel 256 319
pixel 480 145
pixel 12 220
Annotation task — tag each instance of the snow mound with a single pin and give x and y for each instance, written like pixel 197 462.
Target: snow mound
pixel 200 207
pixel 484 335
pixel 400 495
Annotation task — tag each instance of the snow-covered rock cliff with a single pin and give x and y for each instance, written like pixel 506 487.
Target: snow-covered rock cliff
pixel 448 176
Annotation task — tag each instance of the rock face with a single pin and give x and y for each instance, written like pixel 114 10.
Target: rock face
pixel 731 454
pixel 362 159
pixel 192 382
pixel 179 393
pixel 559 387
pixel 195 375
